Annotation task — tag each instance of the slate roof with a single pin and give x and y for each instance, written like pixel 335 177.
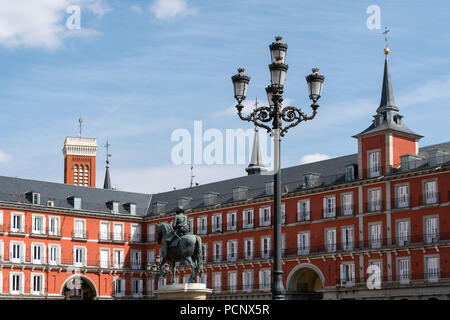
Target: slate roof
pixel 331 171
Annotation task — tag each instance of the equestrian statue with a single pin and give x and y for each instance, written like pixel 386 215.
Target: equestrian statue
pixel 178 245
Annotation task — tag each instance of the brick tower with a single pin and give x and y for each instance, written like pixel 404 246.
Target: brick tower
pixel 79 161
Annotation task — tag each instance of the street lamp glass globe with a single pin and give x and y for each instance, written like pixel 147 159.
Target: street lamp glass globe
pixel 278 49
pixel 278 72
pixel 315 84
pixel 240 83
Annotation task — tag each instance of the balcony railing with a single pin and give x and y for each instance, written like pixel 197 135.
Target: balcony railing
pixel 429 198
pixel 374 172
pixel 303 216
pixel 329 212
pixel 374 206
pixel 80 235
pixel 401 202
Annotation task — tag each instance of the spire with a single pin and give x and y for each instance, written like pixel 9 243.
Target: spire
pixel 107 183
pixel 256 165
pixel 387 101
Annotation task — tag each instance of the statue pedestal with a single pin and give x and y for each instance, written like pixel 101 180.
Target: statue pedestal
pixel 183 291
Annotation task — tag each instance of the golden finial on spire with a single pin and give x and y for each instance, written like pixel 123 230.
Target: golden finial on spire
pixel 386 49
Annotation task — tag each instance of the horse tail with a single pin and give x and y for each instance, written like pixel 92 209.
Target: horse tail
pixel 199 254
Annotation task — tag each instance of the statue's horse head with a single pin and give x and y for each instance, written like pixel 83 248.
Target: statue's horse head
pixel 162 229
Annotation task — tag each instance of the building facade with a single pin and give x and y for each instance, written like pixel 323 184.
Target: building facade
pixel 371 225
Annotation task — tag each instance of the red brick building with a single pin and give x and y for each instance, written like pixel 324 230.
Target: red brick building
pixel 386 207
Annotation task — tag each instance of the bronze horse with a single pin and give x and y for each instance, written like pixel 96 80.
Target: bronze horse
pixel 188 247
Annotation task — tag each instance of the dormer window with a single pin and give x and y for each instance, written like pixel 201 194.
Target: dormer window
pixel 310 180
pixel 184 202
pixel 132 209
pixel 77 203
pixel 269 188
pixel 36 198
pixel 350 173
pixel 210 198
pixel 159 207
pixel 240 193
pixel 113 206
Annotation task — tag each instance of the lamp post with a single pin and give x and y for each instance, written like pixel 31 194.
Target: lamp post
pixel 292 116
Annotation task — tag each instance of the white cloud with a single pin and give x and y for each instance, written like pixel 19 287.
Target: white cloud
pixel 42 23
pixel 169 9
pixel 4 157
pixel 314 157
pixel 165 178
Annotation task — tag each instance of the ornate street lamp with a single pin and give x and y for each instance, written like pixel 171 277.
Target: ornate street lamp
pixel 274 113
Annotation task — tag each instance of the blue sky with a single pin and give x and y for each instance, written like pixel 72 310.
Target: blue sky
pixel 138 70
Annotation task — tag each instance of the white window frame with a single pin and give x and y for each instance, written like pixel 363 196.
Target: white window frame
pixel 303 242
pixel 348 273
pixel 232 281
pixel 375 235
pixel 374 163
pixel 21 283
pixel 374 201
pixel 247 280
pixel 265 247
pixel 217 253
pixel 404 276
pixel 347 203
pixel 230 226
pixel 329 206
pixel 431 230
pixel 403 228
pixel 41 259
pixel 232 254
pixel 116 235
pixel 302 205
pixel 136 287
pixel 104 234
pixel 402 195
pixel 217 281
pixel 379 264
pixel 41 276
pixel 121 286
pixel 21 252
pixel 202 225
pixel 432 274
pixel 265 279
pixel 56 232
pixel 76 261
pixel 135 232
pixel 265 216
pixel 331 239
pixel 118 263
pixel 2 253
pixel 77 232
pixel 430 196
pixel 151 256
pixel 151 232
pixel 102 263
pixel 245 218
pixel 136 259
pixel 216 222
pixel 249 248
pixel 34 230
pixel 347 238
pixel 57 260
pixel 20 228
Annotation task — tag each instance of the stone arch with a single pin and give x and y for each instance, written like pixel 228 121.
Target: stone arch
pixel 87 286
pixel 305 281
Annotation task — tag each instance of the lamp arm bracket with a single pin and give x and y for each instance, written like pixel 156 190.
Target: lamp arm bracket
pixel 258 116
pixel 294 115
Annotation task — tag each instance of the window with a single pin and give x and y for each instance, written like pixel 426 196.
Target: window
pixel 77 203
pixel 232 281
pixel 402 196
pixel 431 229
pixel 331 240
pixel 430 192
pixel 135 233
pixel 231 221
pixel 79 229
pixel 119 286
pixel 16 252
pixel 17 222
pixel 248 249
pixel 132 209
pixel 347 238
pixel 269 188
pixel 191 225
pixel 217 251
pixel 402 232
pixel 118 258
pixel 303 210
pixel 374 200
pixel 264 216
pixel 349 173
pixel 151 257
pixel 16 283
pixel 37 253
pixel 1 218
pixel 347 204
pixel 347 273
pixel 240 193
pixel 115 207
pixel 303 243
pixel 104 231
pixel 150 286
pixel 205 253
pixel 377 270
pixel 432 268
pixel 202 225
pixel 248 218
pixel 54 254
pixel 135 259
pixel 232 250
pixel 217 222
pixel 403 270
pixel 329 206
pixel 79 256
pixel 247 280
pixel 118 232
pixel 86 176
pixel 217 282
pixel 38 224
pixel 375 235
pixel 53 226
pixel 1 253
pixel 265 247
pixel 264 279
pixel 374 164
pixel 283 212
pixel 75 175
pixel 36 198
pixel 104 258
pixel 136 287
pixel 37 284
pixel 151 233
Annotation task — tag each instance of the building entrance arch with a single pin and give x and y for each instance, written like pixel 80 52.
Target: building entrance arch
pixel 304 282
pixel 79 287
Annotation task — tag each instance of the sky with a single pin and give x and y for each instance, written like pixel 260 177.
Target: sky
pixel 137 70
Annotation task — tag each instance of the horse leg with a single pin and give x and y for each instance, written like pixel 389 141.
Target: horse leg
pixel 172 280
pixel 193 267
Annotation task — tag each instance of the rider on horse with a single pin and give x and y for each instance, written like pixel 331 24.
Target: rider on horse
pixel 180 226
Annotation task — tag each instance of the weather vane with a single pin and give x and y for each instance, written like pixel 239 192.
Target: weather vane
pixel 107 152
pixel 80 121
pixel 386 31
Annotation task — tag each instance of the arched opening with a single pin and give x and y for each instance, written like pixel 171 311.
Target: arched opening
pixel 78 287
pixel 305 282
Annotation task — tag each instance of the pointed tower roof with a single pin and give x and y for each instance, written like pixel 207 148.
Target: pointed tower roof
pixel 388 116
pixel 256 165
pixel 107 183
